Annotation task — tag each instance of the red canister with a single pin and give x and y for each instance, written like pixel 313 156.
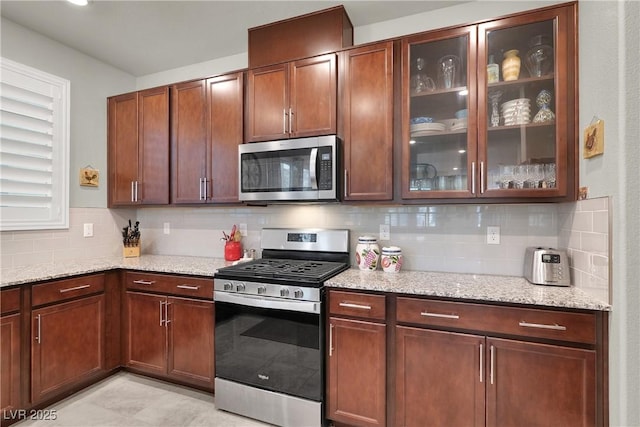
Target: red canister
pixel 232 251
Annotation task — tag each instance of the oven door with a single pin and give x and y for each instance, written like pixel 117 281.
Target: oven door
pixel 269 343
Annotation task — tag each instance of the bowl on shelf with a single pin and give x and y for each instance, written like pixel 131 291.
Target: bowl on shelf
pixel 461 114
pixel 519 102
pixel 419 120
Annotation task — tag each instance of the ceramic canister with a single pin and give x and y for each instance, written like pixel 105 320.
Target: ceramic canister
pixel 511 65
pixel 367 253
pixel 391 260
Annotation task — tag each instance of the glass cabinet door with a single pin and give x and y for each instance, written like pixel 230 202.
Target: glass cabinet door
pixel 439 114
pixel 522 107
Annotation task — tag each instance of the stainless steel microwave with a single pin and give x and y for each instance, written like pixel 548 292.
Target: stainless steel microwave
pixel 302 169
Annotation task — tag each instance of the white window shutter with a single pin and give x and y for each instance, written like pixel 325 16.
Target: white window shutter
pixel 34 149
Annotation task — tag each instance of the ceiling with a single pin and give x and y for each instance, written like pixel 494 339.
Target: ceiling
pixel 145 37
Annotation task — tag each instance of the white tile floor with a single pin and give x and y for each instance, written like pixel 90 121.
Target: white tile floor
pixel 128 400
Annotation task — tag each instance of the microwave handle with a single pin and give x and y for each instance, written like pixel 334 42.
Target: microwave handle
pixel 312 168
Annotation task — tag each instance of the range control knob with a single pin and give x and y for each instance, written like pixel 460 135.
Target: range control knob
pixel 284 292
pixel 262 290
pixel 227 286
pixel 240 287
pixel 298 293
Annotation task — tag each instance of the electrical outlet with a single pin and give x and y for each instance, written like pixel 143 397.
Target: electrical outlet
pixel 88 229
pixel 493 235
pixel 243 229
pixel 167 228
pixel 385 232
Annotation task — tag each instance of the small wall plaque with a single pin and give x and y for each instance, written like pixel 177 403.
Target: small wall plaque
pixel 89 177
pixel 594 139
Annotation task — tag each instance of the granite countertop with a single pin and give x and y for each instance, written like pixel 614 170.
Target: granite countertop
pixel 483 288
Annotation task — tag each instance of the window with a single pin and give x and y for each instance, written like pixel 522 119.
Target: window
pixel 34 149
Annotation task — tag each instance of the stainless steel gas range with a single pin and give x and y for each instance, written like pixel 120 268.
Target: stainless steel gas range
pixel 269 333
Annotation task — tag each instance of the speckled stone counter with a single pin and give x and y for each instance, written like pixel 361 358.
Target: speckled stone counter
pixel 483 288
pixel 197 266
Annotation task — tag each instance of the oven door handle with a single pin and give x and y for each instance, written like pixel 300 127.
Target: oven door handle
pixel 266 302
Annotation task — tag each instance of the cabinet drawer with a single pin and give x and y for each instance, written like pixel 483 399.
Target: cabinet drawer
pixel 357 304
pixel 528 322
pixel 10 300
pixel 61 290
pixel 195 287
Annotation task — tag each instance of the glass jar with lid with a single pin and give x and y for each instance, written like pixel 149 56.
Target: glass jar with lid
pixel 367 253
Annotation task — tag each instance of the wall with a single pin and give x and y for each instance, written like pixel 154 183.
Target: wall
pixel 92 82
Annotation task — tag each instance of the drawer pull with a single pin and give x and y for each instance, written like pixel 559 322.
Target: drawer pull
pixel 555 326
pixel 144 282
pixel 75 288
pixel 443 316
pixel 352 305
pixel 189 287
pixel 39 333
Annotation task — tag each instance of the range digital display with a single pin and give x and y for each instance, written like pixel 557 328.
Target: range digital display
pixel 302 237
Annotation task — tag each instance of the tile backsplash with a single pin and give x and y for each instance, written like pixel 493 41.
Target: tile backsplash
pixel 449 238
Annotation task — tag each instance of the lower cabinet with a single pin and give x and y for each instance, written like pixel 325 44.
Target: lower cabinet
pixel 67 337
pixel 170 336
pixel 356 384
pixel 10 336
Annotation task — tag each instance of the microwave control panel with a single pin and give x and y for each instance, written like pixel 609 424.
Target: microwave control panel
pixel 325 168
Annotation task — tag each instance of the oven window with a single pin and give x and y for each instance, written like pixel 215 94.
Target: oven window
pixel 271 349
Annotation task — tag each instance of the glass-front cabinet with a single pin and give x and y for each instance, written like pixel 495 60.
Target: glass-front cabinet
pixel 489 109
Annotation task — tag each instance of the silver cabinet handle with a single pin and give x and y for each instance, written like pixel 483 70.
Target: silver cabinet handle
pixel 76 288
pixel 346 183
pixel 352 305
pixel 161 313
pixel 481 362
pixel 491 350
pixel 144 282
pixel 284 121
pixel 39 330
pixel 166 313
pixel 441 315
pixel 189 287
pixel 290 120
pixel 473 177
pixel 205 195
pixel 132 192
pixel 481 177
pixel 200 189
pixel 554 327
pixel 136 192
pixel 330 340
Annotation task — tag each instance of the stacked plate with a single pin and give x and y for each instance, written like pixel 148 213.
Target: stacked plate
pixel 454 124
pixel 516 112
pixel 422 129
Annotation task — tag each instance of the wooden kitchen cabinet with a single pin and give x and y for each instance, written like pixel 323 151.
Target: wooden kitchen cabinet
pixel 465 137
pixel 526 379
pixel 169 327
pixel 292 100
pixel 67 335
pixel 10 350
pixel 366 121
pixel 356 380
pixel 138 148
pixel 206 129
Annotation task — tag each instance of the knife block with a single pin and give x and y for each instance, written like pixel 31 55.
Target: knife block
pixel 131 251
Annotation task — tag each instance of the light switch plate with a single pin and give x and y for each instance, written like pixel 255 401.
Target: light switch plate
pixel 385 232
pixel 493 235
pixel 88 229
pixel 167 228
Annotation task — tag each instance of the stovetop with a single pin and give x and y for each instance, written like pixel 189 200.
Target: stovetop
pixel 283 270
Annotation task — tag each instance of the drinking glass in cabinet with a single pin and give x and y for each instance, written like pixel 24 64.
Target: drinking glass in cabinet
pixel 448 69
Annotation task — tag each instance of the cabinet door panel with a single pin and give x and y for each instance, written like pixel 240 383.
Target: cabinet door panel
pixel 366 111
pixel 153 128
pixel 357 373
pixel 313 96
pixel 190 333
pixel 225 134
pixel 439 378
pixel 146 334
pixel 540 384
pixel 67 345
pixel 267 104
pixel 10 362
pixel 123 148
pixel 188 141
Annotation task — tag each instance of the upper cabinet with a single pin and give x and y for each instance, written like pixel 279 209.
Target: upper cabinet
pixel 489 111
pixel 138 139
pixel 206 129
pixel 366 121
pixel 292 100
